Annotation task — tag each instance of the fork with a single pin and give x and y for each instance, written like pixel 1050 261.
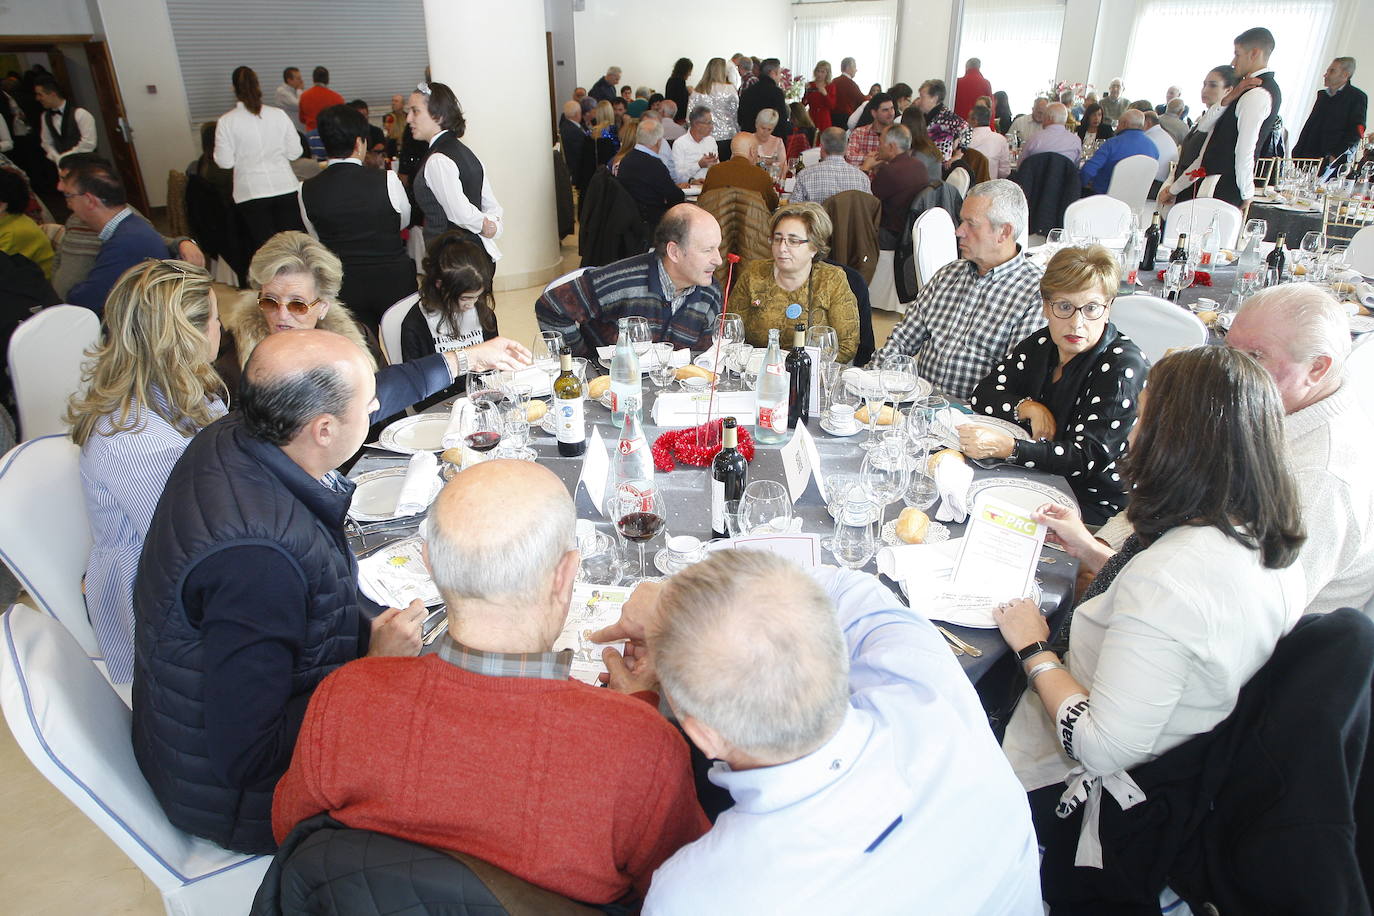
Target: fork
pixel 959 645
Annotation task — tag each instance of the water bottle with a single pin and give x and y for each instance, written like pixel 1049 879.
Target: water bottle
pixel 632 459
pixel 772 394
pixel 1211 244
pixel 625 378
pixel 1130 257
pixel 1248 268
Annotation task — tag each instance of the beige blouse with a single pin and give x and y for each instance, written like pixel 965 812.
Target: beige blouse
pixel 825 299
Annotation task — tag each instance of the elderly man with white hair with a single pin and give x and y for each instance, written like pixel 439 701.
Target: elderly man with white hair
pixel 1174 120
pixel 512 745
pixel 831 175
pixel 1300 334
pixel 644 173
pixel 975 308
pixel 1130 140
pixel 1054 137
pixel 667 111
pixel 1025 126
pixel 989 142
pixel 603 90
pixel 864 776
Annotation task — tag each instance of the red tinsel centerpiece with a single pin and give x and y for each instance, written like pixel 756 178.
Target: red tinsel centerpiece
pixel 1200 278
pixel 681 445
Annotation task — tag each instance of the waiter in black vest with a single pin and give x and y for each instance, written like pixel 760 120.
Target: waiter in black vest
pixel 358 213
pixel 451 187
pixel 65 128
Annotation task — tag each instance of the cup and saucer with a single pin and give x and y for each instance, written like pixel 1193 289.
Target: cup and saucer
pixel 679 553
pixel 839 421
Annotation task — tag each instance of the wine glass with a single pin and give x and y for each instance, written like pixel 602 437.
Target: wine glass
pixel 825 340
pixel 731 333
pixel 854 541
pixel 743 356
pixel 639 514
pixel 486 388
pixel 1054 239
pixel 484 427
pixel 830 378
pixel 545 350
pixel 765 508
pixel 886 474
pixel 515 424
pixel 898 374
pixel 1254 228
pixel 1312 245
pixel 1178 276
pixel 640 337
pixel 875 396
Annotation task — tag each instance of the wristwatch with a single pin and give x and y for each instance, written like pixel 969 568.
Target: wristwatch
pixel 1034 648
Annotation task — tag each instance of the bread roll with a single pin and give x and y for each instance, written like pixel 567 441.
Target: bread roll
pixel 912 526
pixel 943 454
pixel 535 410
pixel 885 416
pixel 687 372
pixel 452 456
pixel 598 386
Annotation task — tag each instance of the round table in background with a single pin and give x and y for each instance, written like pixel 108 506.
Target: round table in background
pixel 1281 218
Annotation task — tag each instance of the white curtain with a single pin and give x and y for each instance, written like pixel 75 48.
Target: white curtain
pixel 1175 43
pixel 865 30
pixel 1017 42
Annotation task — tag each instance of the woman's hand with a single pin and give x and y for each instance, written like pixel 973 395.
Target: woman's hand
pixel 498 353
pixel 981 442
pixel 1021 623
pixel 1041 420
pixel 1250 82
pixel 1067 529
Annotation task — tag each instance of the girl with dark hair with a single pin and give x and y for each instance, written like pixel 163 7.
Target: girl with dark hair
pixel 1095 125
pixel 676 87
pixel 259 142
pixel 1003 112
pixel 455 308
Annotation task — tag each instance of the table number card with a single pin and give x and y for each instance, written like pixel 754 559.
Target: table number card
pixel 596 467
pixel 801 461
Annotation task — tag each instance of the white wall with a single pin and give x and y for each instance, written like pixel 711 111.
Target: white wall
pixel 558 19
pixel 923 38
pixel 645 37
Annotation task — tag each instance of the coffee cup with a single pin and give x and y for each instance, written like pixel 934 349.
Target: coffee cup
pixel 842 418
pixel 682 551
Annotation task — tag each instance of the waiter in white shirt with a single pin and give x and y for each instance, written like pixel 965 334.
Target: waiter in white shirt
pixel 65 128
pixel 289 95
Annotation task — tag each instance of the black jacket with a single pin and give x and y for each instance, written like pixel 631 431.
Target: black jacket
pixel 573 136
pixel 1051 183
pixel 646 178
pixel 610 227
pixel 1333 127
pixel 603 91
pixel 764 94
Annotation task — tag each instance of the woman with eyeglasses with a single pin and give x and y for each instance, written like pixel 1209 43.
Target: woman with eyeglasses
pixel 149 388
pixel 797 286
pixel 1074 384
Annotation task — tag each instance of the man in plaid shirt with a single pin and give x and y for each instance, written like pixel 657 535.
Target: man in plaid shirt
pixel 831 175
pixel 946 129
pixel 865 140
pixel 975 309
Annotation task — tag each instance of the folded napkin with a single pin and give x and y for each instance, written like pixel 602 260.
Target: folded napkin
pixel 420 486
pixel 1365 293
pixel 919 563
pixel 453 434
pixel 953 479
pixel 680 408
pixel 537 379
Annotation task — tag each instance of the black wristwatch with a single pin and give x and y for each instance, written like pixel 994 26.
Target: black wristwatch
pixel 1034 648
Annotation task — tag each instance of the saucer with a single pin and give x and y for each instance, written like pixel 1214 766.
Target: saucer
pixel 825 425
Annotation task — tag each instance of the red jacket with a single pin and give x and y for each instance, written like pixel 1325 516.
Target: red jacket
pixel 819 104
pixel 971 85
pixel 848 96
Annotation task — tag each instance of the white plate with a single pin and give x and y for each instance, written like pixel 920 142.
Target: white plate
pixel 1028 494
pixel 997 423
pixel 825 425
pixel 375 498
pixel 423 432
pixel 935 534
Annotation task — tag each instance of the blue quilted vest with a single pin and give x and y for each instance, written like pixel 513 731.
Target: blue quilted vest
pixel 229 490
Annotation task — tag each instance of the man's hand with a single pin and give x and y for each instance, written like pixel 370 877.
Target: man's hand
pixel 1041 420
pixel 488 228
pixel 190 252
pixel 980 442
pixel 631 674
pixel 1250 82
pixel 396 631
pixel 638 617
pixel 498 353
pixel 710 159
pixel 1165 197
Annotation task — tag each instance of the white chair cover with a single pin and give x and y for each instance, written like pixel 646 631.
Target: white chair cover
pixel 810 157
pixel 566 278
pixel 1360 255
pixel 1131 180
pixel 1194 216
pixel 882 292
pixel 1157 325
pixel 1099 216
pixel 959 178
pixel 933 239
pixel 391 328
pixel 75 730
pixel 46 353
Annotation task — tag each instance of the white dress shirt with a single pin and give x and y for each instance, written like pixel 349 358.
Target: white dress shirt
pixel 910 807
pixel 1251 110
pixel 289 101
pixel 1168 150
pixel 394 190
pixel 994 146
pixel 85 124
pixel 687 154
pixel 6 141
pixel 1024 127
pixel 259 148
pixel 444 179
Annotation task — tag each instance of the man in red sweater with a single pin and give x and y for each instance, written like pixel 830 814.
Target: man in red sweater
pixel 848 95
pixel 317 98
pixel 487 747
pixel 970 86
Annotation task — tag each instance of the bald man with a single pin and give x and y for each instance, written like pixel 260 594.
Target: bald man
pixel 741 171
pixel 535 745
pixel 246 594
pixel 572 135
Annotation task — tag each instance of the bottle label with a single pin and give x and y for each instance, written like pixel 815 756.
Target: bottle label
pixel 1205 259
pixel 571 429
pixel 718 505
pixel 776 369
pixel 628 446
pixel 773 418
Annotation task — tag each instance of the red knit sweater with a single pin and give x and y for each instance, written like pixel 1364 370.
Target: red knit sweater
pixel 579 790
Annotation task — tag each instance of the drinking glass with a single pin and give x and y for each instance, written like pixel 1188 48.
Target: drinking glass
pixel 484 427
pixel 743 355
pixel 825 340
pixel 640 337
pixel 875 396
pixel 931 408
pixel 515 424
pixel 765 508
pixel 734 522
pixel 1055 238
pixel 639 515
pixel 1178 276
pixel 1254 228
pixel 830 377
pixel 731 334
pixel 545 350
pixel 899 377
pixel 1312 245
pixel 854 540
pixel 886 473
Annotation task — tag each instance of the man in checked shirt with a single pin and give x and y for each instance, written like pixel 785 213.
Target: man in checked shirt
pixel 975 308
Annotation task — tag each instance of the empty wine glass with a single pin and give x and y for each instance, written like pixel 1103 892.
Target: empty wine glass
pixel 1311 247
pixel 854 540
pixel 731 333
pixel 899 377
pixel 875 396
pixel 830 378
pixel 825 340
pixel 1055 239
pixel 765 508
pixel 515 424
pixel 545 350
pixel 1178 276
pixel 637 326
pixel 886 473
pixel 639 515
pixel 1254 228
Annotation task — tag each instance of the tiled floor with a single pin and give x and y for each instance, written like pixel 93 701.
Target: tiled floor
pixel 54 860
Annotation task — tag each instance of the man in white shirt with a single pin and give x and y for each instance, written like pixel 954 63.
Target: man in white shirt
pixel 1168 149
pixel 289 95
pixel 1023 127
pixel 990 143
pixel 865 778
pixel 65 128
pixel 1054 137
pixel 696 151
pixel 1300 334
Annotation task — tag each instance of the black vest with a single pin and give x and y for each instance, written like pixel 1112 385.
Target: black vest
pixel 65 135
pixel 1220 157
pixel 351 210
pixel 469 172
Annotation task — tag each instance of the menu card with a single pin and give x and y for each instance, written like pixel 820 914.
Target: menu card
pixel 593 607
pixel 999 552
pixel 801 461
pixel 396 575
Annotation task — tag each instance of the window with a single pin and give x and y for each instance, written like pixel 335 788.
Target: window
pixel 1018 44
pixel 1198 33
pixel 865 31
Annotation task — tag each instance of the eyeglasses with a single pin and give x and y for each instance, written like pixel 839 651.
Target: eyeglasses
pixel 791 241
pixel 293 305
pixel 1091 310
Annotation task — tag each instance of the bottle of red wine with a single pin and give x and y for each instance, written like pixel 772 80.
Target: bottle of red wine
pixel 1152 236
pixel 1274 264
pixel 729 471
pixel 1180 253
pixel 799 380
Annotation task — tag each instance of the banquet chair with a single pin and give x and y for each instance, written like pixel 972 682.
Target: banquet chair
pixel 1099 217
pixel 566 278
pixel 959 179
pixel 75 730
pixel 1194 216
pixel 1360 255
pixel 935 244
pixel 1157 325
pixel 1342 217
pixel 1131 180
pixel 1264 170
pixel 392 319
pixel 811 157
pixel 46 355
pixel 854 239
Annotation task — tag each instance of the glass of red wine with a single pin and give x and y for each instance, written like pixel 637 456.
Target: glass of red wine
pixel 484 429
pixel 639 514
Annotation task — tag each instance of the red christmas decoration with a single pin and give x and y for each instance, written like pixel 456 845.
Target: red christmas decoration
pixel 681 445
pixel 1197 174
pixel 1200 278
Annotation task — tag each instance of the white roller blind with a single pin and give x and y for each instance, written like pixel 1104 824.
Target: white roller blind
pixel 865 30
pixel 372 49
pixel 1017 42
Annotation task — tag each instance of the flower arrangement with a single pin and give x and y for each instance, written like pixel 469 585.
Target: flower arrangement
pixel 685 445
pixel 1080 91
pixel 792 88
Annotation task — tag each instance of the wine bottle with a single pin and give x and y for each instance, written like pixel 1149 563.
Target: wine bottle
pixel 1152 235
pixel 729 471
pixel 568 399
pixel 798 380
pixel 1274 264
pixel 1180 252
pixel 625 377
pixel 771 393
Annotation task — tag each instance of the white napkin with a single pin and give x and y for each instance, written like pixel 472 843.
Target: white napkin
pixel 861 379
pixel 453 434
pixel 677 409
pixel 678 359
pixel 537 379
pixel 953 479
pixel 918 563
pixel 1365 293
pixel 420 486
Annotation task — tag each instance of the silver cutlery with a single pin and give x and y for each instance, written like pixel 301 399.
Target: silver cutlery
pixel 959 644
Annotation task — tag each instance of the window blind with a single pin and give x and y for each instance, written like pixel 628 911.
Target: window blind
pixel 372 50
pixel 1017 42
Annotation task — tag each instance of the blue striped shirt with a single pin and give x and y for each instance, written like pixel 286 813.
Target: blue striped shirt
pixel 123 475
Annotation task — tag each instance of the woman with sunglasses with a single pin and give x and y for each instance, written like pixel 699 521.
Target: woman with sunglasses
pixel 1074 384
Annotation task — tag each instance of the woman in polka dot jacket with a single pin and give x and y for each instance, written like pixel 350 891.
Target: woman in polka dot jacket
pixel 1075 383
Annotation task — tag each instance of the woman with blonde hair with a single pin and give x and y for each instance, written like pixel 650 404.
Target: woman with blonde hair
pixel 820 96
pixel 766 291
pixel 716 92
pixel 605 132
pixel 772 151
pixel 150 387
pixel 629 135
